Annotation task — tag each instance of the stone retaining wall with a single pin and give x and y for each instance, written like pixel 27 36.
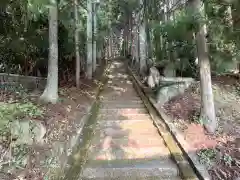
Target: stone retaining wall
pixel 28 82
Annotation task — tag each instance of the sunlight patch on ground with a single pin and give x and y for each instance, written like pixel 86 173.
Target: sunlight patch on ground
pixel 115 88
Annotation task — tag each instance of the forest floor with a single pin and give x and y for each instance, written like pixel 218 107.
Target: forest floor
pixel 31 131
pixel 219 152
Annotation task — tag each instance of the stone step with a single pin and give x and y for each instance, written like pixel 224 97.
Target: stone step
pixel 119 98
pixel 141 144
pixel 120 84
pixel 126 123
pixel 127 146
pixel 133 169
pixel 123 83
pixel 119 87
pixel 122 102
pixel 117 132
pixel 119 93
pixel 128 153
pixel 121 77
pixel 123 96
pixel 116 152
pixel 118 78
pixel 130 178
pixel 124 111
pixel 123 117
pixel 122 105
pixel 129 125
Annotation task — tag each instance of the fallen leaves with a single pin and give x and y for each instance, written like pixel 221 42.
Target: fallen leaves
pixel 227 103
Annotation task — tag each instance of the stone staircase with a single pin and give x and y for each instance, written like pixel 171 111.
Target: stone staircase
pixel 126 145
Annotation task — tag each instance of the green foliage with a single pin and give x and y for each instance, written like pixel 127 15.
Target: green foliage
pixel 196 117
pixel 178 34
pixel 210 156
pixel 207 156
pixel 20 156
pixel 10 112
pixel 227 159
pixel 24 35
pixel 17 107
pixel 224 49
pixel 176 30
pixel 223 35
pixel 24 32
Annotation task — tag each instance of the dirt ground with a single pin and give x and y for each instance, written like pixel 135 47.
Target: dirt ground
pixel 220 152
pixel 60 122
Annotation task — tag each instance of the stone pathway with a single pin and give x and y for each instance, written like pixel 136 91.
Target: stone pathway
pixel 126 145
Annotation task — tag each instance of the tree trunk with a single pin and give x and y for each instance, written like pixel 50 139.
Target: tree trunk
pixel 138 47
pixel 165 19
pixel 130 33
pixel 235 9
pixel 125 41
pixel 148 35
pixel 50 93
pixel 94 38
pixel 143 41
pixel 207 100
pixel 89 40
pixel 127 34
pixel 110 44
pixel 77 44
pixel 110 29
pixel 106 49
pixel 136 34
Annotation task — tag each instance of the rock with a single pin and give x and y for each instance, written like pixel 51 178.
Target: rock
pixel 170 71
pixel 19 158
pixel 5 176
pixel 26 131
pixel 153 77
pixel 72 142
pixel 38 131
pixel 150 82
pixel 59 153
pixel 58 148
pixel 20 131
pixel 166 93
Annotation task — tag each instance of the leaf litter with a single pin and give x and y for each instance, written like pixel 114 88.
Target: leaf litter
pixel 33 160
pixel 221 151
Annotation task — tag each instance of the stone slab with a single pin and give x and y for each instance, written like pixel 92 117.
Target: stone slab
pixel 126 123
pixel 123 117
pixel 133 170
pixel 122 105
pixel 124 111
pixel 116 132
